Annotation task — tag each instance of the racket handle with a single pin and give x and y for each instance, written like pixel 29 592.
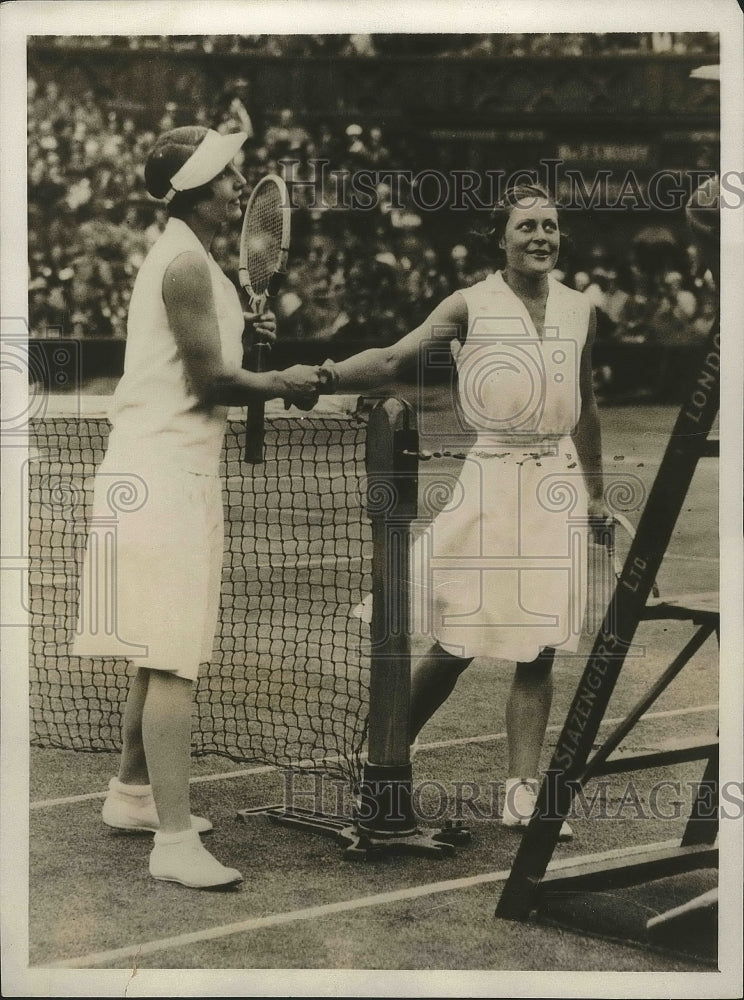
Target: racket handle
pixel 254 423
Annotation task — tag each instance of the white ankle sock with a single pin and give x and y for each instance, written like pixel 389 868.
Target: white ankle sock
pixel 180 837
pixel 136 791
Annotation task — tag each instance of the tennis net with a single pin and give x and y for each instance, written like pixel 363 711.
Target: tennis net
pixel 288 684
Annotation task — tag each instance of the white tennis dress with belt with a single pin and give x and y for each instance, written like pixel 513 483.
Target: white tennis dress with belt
pixel 150 585
pixel 501 570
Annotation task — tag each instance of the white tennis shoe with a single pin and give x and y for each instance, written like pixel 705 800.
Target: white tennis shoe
pixel 182 858
pixel 132 808
pixel 520 799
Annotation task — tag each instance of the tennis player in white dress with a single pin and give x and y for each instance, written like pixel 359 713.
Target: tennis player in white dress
pixel 182 371
pixel 501 571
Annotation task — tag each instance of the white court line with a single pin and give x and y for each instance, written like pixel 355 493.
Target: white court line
pixel 136 951
pixel 437 745
pixel 70 799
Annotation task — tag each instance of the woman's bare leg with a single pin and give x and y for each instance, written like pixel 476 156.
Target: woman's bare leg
pixel 433 680
pixel 527 711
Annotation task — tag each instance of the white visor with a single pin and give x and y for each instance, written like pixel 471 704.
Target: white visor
pixel 211 156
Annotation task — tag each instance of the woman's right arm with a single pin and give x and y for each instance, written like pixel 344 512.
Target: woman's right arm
pixel 192 316
pixel 378 366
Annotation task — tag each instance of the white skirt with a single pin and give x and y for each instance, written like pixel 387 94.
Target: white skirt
pixel 502 570
pixel 150 586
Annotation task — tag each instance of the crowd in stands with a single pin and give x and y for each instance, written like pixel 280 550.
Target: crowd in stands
pixel 406 44
pixel 670 302
pixel 355 276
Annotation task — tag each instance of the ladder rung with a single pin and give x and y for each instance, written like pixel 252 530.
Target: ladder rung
pixel 702 608
pixel 671 752
pixel 592 876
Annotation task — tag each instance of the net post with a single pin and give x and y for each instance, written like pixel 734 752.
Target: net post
pixel 384 819
pixel 392 504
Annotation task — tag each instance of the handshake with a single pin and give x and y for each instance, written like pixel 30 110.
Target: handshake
pixel 308 383
pixel 300 385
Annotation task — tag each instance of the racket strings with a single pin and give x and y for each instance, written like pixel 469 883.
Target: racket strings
pixel 262 235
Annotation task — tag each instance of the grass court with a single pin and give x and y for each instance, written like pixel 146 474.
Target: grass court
pixel 302 906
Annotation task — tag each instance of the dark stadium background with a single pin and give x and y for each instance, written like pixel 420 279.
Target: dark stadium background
pixel 620 108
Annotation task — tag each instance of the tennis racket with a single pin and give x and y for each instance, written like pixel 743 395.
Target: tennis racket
pixel 618 558
pixel 612 537
pixel 264 247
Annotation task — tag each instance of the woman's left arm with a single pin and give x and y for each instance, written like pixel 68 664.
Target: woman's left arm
pixel 587 436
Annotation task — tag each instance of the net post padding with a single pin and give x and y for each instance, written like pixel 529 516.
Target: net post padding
pixel 528 882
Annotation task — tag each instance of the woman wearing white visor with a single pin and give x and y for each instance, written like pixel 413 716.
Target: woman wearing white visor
pixel 182 371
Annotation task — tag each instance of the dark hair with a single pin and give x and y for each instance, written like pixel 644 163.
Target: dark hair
pixel 503 208
pixel 488 242
pixel 166 158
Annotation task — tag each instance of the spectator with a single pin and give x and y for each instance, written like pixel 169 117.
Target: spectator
pixel 684 303
pixel 359 45
pixel 698 273
pixel 85 161
pixel 378 155
pixel 675 307
pixel 356 150
pixel 615 299
pixel 609 299
pixel 703 320
pixel 366 45
pixel 462 275
pixel 279 139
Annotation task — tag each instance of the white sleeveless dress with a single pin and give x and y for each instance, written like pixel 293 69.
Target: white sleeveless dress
pixel 501 571
pixel 149 590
